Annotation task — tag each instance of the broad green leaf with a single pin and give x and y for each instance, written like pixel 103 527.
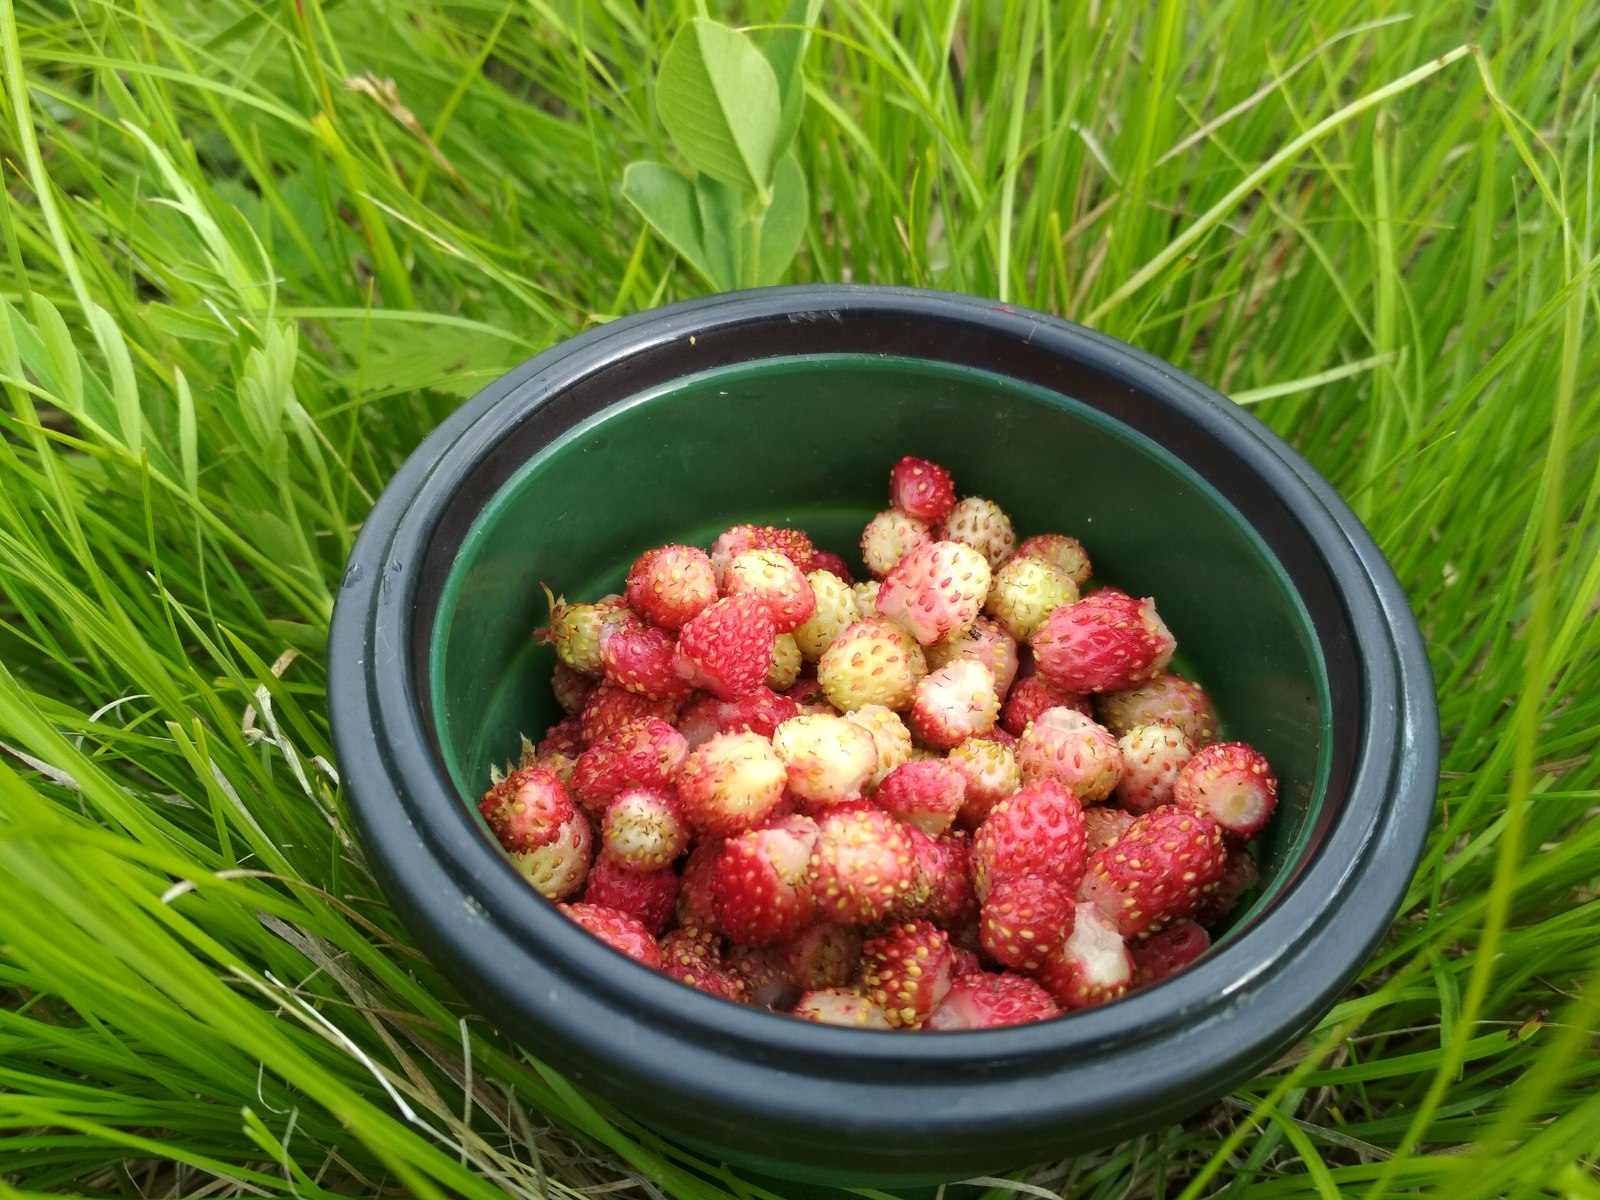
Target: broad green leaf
pixel 719 100
pixel 124 388
pixel 726 228
pixel 786 52
pixel 666 199
pixel 785 222
pixel 65 369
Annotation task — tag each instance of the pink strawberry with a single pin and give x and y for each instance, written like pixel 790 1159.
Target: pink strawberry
pixel 1103 824
pixel 1093 966
pixel 1064 745
pixel 1065 553
pixel 992 774
pixel 1024 592
pixel 954 703
pixel 1025 919
pixel 984 642
pixel 935 590
pixel 610 707
pixel 827 560
pixel 981 1000
pixel 888 538
pixel 618 930
pixel 641 754
pixel 649 897
pixel 570 689
pixel 761 884
pixel 1037 830
pixel 821 956
pixel 527 810
pixel 1166 700
pixel 694 957
pixel 873 661
pixel 829 759
pixel 1106 641
pixel 762 711
pixel 1158 871
pixel 727 649
pixel 926 793
pixel 775 583
pixel 1152 756
pixel 644 829
pixel 1238 877
pixel 808 696
pixel 761 970
pixel 1164 954
pixel 793 544
pixel 1231 783
pixel 944 875
pixel 557 869
pixel 671 585
pixel 981 524
pixel 1031 696
pixel 840 1006
pixel 574 630
pixel 921 489
pixel 731 783
pixel 864 865
pixel 907 971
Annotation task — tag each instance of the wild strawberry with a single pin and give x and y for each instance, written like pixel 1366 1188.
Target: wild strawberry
pixel 984 642
pixel 821 956
pixel 1106 641
pixel 574 630
pixel 954 703
pixel 727 649
pixel 1233 784
pixel 1164 954
pixel 981 524
pixel 873 661
pixel 570 689
pixel 793 544
pixel 786 662
pixel 991 772
pixel 888 538
pixel 564 737
pixel 921 489
pixel 731 783
pixel 671 585
pixel 761 970
pixel 935 590
pixel 1024 592
pixel 1152 756
pixel 866 595
pixel 761 884
pixel 649 897
pixel 694 957
pixel 1239 875
pixel 944 871
pixel 1158 871
pixel 1064 745
pixel 775 583
pixel 762 711
pixel 981 1000
pixel 1035 831
pixel 827 560
pixel 694 907
pixel 1093 966
pixel 1103 824
pixel 840 1006
pixel 642 754
pixel 808 697
pixel 835 610
pixel 829 759
pixel 907 971
pixel 558 869
pixel 1065 553
pixel 640 658
pixel 967 963
pixel 1166 700
pixel 927 794
pixel 1031 696
pixel 644 829
pixel 527 810
pixel 610 707
pixel 863 867
pixel 617 930
pixel 1025 919
pixel 890 737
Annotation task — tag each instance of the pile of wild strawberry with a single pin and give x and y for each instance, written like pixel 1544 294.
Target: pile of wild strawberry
pixel 960 796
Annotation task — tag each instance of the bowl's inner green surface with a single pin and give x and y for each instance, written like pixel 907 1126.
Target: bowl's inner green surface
pixel 809 442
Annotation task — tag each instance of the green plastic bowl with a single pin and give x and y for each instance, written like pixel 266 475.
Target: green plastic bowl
pixel 788 406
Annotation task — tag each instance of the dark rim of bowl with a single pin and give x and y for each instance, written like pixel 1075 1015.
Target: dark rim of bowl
pixel 421 836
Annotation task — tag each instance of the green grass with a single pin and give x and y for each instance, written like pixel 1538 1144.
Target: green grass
pixel 238 290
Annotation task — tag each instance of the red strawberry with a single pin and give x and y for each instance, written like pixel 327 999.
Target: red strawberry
pixel 888 538
pixel 558 869
pixel 864 865
pixel 762 711
pixel 731 783
pixel 1060 551
pixel 991 771
pixel 1093 966
pixel 921 489
pixel 981 1000
pixel 1152 756
pixel 1103 824
pixel 571 689
pixel 840 1006
pixel 981 524
pixel 829 759
pixel 761 970
pixel 907 971
pixel 954 703
pixel 1106 641
pixel 1231 783
pixel 1166 700
pixel 1035 831
pixel 1031 696
pixel 944 873
pixel 808 696
pixel 873 661
pixel 1164 954
pixel 761 884
pixel 694 907
pixel 694 957
pixel 821 956
pixel 1158 871
pixel 565 737
pixel 1238 877
pixel 1064 745
pixel 527 810
pixel 671 585
pixel 967 963
pixel 727 649
pixel 775 583
pixel 642 754
pixel 649 897
pixel 610 707
pixel 926 793
pixel 935 590
pixel 984 642
pixel 640 658
pixel 1025 919
pixel 618 930
pixel 644 829
pixel 827 560
pixel 1025 591
pixel 793 544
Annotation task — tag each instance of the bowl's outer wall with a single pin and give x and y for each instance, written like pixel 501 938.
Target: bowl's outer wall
pixel 874 1105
